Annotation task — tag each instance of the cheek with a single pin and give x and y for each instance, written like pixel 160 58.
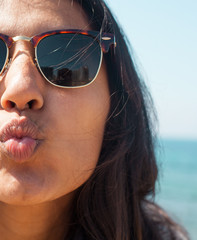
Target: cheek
pixel 81 112
pixel 76 138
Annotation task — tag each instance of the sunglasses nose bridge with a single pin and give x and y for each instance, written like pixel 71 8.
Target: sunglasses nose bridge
pixel 24 38
pixel 21 44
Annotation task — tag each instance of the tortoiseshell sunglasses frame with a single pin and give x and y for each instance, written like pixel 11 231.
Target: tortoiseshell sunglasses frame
pixel 106 40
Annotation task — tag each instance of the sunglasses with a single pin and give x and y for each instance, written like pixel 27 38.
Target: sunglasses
pixel 65 58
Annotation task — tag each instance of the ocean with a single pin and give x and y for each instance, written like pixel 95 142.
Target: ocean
pixel 177 187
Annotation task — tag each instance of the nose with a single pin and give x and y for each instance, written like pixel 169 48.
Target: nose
pixel 23 84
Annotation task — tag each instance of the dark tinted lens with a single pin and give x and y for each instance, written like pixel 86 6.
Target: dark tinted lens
pixel 69 59
pixel 3 54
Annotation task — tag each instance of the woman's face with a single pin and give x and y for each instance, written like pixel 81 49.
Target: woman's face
pixel 65 125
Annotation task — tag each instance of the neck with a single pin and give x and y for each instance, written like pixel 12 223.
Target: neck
pixel 46 221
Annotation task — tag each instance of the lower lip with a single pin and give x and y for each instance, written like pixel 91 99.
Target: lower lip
pixel 20 149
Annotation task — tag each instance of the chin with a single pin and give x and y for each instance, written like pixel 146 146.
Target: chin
pixel 20 192
pixel 29 193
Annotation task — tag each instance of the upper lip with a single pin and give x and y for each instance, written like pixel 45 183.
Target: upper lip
pixel 18 128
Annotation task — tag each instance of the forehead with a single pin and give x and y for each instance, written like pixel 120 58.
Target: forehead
pixel 30 17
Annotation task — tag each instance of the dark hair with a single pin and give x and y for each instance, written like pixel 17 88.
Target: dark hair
pixel 113 204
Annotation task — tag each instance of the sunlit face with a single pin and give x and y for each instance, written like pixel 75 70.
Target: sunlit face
pixel 68 124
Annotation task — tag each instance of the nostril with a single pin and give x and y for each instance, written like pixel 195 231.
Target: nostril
pixel 7 104
pixel 11 104
pixel 31 103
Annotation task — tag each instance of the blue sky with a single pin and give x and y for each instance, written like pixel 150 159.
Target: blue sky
pixel 163 35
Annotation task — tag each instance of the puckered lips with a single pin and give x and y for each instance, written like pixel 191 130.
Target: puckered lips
pixel 19 139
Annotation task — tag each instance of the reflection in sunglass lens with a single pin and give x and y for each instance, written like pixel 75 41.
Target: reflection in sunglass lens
pixel 69 59
pixel 3 54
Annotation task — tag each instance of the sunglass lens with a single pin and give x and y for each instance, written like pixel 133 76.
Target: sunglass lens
pixel 3 54
pixel 69 60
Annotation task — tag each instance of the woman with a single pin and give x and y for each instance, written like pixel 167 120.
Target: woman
pixel 77 149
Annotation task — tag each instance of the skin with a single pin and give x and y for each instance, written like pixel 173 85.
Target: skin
pixel 70 126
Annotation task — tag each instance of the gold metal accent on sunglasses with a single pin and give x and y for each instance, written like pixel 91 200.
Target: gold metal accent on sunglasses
pixel 106 38
pixel 24 38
